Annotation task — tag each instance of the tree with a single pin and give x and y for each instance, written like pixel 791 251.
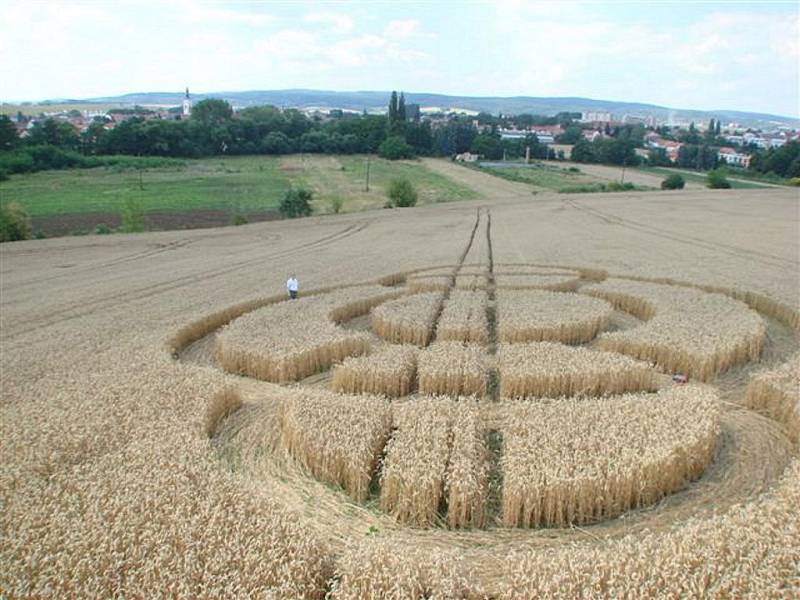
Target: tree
pixel 392 114
pixel 15 223
pixel 716 180
pixel 781 161
pixel 691 136
pixel 418 135
pixel 313 141
pixel 276 142
pixel 132 217
pixel 401 193
pixel 401 108
pixel 55 133
pixel 8 134
pixel 488 145
pixel 296 203
pixel 673 182
pixel 212 111
pixel 658 158
pixel 565 119
pixel 692 156
pixel 394 148
pixel 582 151
pixel 718 129
pixel 454 137
pixel 615 152
pixel 485 118
pixel 91 137
pixel 571 135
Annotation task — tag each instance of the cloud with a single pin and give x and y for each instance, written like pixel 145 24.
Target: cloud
pixel 401 29
pixel 336 22
pixel 734 59
pixel 219 14
pixel 703 58
pixel 312 52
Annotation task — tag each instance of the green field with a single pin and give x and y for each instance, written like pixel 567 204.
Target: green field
pixel 236 185
pixel 700 178
pixel 247 184
pixel 548 178
pixel 344 177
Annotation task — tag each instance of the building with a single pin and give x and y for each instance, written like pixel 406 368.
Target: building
pixel 467 157
pixel 647 120
pixel 592 135
pixel 551 130
pixel 734 158
pixel 412 112
pixel 735 139
pixel 187 105
pixel 656 142
pixel 513 134
pixel 596 117
pixel 775 141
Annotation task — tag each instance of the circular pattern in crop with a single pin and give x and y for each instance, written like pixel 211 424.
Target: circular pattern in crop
pixel 502 397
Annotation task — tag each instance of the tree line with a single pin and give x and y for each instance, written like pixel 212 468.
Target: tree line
pixel 214 129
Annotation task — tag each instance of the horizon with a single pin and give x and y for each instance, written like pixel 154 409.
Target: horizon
pixel 408 93
pixel 667 54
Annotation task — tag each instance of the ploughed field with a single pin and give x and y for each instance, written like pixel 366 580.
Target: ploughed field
pixel 472 400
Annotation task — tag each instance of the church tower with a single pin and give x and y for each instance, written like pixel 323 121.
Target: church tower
pixel 187 104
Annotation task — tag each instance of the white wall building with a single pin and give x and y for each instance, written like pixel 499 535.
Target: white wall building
pixel 734 158
pixel 187 104
pixel 596 117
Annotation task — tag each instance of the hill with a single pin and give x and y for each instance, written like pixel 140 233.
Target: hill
pixel 376 100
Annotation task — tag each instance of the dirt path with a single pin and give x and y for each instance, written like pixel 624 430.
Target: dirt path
pixel 487 185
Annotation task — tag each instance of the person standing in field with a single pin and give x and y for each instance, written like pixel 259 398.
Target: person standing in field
pixel 292 286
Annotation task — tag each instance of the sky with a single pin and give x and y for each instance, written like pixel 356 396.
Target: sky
pixel 696 55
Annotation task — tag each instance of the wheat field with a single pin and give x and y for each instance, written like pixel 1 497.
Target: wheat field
pixel 687 331
pixel 134 465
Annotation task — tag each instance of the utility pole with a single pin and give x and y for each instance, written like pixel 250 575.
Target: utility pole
pixel 141 183
pixel 624 163
pixel 367 186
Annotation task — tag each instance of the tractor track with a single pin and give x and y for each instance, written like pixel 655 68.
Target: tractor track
pixel 78 310
pixel 766 259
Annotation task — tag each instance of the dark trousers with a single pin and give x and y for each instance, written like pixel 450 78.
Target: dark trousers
pixel 293 294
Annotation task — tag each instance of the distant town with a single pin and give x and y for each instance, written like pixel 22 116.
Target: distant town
pixel 403 129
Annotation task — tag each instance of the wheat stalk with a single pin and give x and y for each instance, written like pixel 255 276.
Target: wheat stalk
pixel 453 369
pixel 389 372
pixel 584 460
pixel 688 331
pixel 550 369
pixel 408 320
pixel 413 477
pixel 467 481
pixel 540 315
pixel 556 283
pixel 337 437
pixel 294 339
pixel 777 393
pixel 464 318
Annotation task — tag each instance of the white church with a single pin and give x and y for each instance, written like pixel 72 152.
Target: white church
pixel 187 104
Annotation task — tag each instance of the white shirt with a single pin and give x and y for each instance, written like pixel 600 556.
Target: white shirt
pixel 292 285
